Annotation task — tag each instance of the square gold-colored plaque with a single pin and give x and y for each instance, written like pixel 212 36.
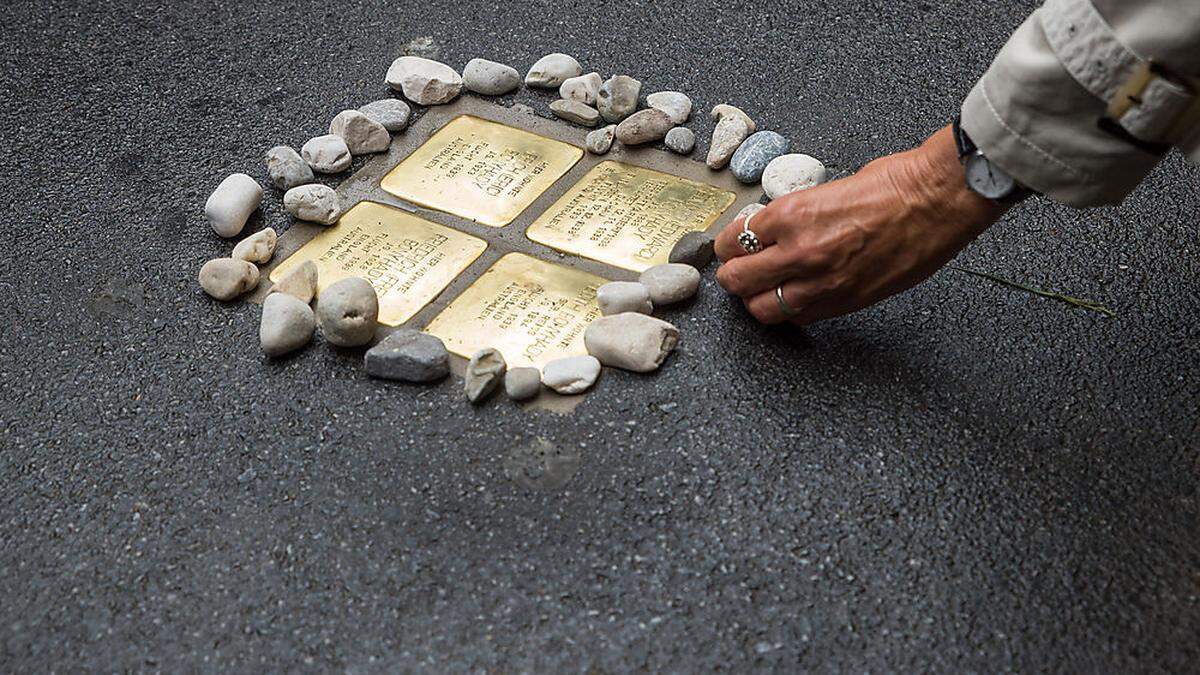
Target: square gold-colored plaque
pixel 627 216
pixel 480 170
pixel 531 310
pixel 408 260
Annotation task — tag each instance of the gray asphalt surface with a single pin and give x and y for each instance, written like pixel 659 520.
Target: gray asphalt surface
pixel 965 478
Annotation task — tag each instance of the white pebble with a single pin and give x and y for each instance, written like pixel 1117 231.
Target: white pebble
pixel 315 203
pixel 300 283
pixel 600 141
pixel 583 88
pixel 675 104
pixel 346 312
pixel 286 168
pixel 733 126
pixel 571 375
pixel 326 154
pixel 631 341
pixel 257 248
pixel 226 278
pixel 643 126
pixel 490 78
pixel 552 70
pixel 392 113
pixel 230 205
pixel 362 134
pixel 791 173
pixel 423 81
pixel 670 283
pixel 287 324
pixel 617 297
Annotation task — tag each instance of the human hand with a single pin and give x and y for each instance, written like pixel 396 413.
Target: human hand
pixel 842 246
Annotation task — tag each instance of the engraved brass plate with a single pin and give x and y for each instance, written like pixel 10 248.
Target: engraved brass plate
pixel 531 310
pixel 480 170
pixel 627 216
pixel 408 260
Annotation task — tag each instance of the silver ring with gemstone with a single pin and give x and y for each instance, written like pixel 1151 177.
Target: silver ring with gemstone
pixel 747 239
pixel 784 307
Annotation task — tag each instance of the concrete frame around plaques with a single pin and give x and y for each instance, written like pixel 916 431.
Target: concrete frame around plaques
pixel 365 185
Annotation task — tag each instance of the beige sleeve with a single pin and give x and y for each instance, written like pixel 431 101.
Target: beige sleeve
pixel 1037 112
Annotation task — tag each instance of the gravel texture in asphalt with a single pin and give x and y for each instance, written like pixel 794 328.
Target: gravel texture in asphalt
pixel 962 478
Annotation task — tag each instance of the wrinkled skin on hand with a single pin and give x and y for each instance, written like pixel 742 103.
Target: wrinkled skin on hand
pixel 842 246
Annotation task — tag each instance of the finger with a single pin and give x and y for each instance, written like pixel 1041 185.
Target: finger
pixel 798 294
pixel 748 275
pixel 727 246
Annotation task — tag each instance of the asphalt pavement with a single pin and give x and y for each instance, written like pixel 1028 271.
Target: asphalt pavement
pixel 964 478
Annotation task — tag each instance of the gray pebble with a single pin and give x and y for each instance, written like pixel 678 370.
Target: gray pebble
pixel 571 375
pixel 617 297
pixel 791 173
pixel 484 374
pixel 584 88
pixel 600 141
pixel 408 355
pixel 257 248
pixel 226 278
pixel 230 205
pixel 300 283
pixel 424 81
pixel 670 283
pixel 392 113
pixel 644 126
pixel 490 78
pixel 346 312
pixel 286 168
pixel 522 384
pixel 315 203
pixel 693 248
pixel 681 140
pixel 362 134
pixel 574 111
pixel 326 154
pixel 618 98
pixel 733 126
pixel 755 153
pixel 552 70
pixel 631 341
pixel 287 324
pixel 675 104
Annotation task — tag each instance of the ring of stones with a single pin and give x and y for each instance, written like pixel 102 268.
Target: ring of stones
pixel 784 307
pixel 747 239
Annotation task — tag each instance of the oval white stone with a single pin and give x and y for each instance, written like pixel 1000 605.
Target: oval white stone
pixel 230 205
pixel 315 203
pixel 791 173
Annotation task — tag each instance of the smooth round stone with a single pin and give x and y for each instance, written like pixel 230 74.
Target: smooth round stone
pixel 424 81
pixel 631 341
pixel 257 248
pixel 733 126
pixel 755 153
pixel 644 126
pixel 408 355
pixel 552 70
pixel 346 312
pixel 287 324
pixel 490 78
pixel 392 113
pixel 300 283
pixel 287 168
pixel 675 104
pixel 484 373
pixel 326 154
pixel 693 248
pixel 574 111
pixel 681 140
pixel 617 297
pixel 670 283
pixel 226 278
pixel 618 98
pixel 362 134
pixel 600 141
pixel 230 205
pixel 571 375
pixel 522 384
pixel 791 173
pixel 584 88
pixel 315 203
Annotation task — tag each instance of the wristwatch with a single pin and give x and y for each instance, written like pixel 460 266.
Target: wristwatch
pixel 983 177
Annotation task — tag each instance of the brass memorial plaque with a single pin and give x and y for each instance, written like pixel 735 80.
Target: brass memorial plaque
pixel 627 216
pixel 531 310
pixel 480 170
pixel 408 260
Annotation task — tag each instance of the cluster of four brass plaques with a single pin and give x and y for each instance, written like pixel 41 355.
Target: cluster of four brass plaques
pixel 533 311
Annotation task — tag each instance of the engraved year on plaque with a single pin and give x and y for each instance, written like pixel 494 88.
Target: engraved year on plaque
pixel 408 260
pixel 480 170
pixel 627 216
pixel 531 310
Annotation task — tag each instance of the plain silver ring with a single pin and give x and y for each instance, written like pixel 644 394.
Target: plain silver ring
pixel 788 310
